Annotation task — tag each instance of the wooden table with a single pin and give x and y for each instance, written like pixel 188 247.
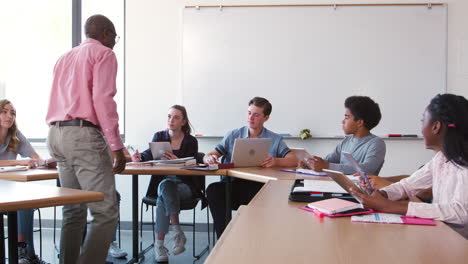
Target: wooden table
pixel 20 196
pixel 254 174
pixel 264 175
pixel 30 175
pixel 272 230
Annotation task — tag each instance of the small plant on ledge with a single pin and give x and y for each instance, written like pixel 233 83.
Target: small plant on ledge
pixel 305 133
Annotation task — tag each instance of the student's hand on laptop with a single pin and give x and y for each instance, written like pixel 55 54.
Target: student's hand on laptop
pixel 268 162
pixel 210 159
pixel 318 164
pixel 169 155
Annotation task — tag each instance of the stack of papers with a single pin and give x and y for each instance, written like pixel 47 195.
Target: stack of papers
pixel 320 186
pixel 13 168
pixel 189 161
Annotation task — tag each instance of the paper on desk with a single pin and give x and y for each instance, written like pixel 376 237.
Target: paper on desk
pixel 13 168
pixel 320 186
pixel 189 161
pixel 378 218
pixel 311 172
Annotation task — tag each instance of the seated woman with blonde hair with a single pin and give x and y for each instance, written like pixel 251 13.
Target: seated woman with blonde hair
pixel 12 143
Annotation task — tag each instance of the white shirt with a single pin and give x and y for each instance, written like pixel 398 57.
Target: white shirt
pixel 449 184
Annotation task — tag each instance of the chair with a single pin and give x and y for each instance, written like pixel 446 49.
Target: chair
pixel 40 231
pixel 150 200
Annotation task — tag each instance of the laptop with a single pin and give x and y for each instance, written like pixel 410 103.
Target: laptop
pixel 250 152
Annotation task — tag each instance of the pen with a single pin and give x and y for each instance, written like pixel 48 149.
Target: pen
pixel 366 179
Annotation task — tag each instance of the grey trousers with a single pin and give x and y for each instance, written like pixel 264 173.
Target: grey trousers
pixel 85 163
pixel 170 194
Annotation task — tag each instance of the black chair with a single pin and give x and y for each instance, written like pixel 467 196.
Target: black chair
pixel 150 200
pixel 39 230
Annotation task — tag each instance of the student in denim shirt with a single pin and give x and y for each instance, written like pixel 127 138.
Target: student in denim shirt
pixel 243 190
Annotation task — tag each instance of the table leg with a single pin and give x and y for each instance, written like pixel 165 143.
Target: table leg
pixel 228 199
pixel 2 240
pixel 135 252
pixel 12 238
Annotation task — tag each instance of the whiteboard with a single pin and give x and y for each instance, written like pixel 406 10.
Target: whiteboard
pixel 307 60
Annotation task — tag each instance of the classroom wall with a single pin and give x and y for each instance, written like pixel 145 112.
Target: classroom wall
pixel 153 68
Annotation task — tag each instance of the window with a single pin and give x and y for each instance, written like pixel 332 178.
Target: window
pixel 34 35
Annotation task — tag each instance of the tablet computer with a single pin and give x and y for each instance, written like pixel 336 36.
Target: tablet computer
pixel 301 154
pixel 345 182
pixel 159 148
pixel 358 169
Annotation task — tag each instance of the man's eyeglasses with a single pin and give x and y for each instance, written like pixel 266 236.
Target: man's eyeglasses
pixel 117 37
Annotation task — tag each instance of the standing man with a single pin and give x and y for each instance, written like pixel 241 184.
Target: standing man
pixel 83 131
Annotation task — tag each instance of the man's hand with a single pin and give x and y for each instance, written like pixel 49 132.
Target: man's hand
pixel 210 159
pixel 318 164
pixel 268 162
pixel 119 161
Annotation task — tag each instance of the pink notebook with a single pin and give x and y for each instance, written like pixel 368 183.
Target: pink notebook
pixel 334 206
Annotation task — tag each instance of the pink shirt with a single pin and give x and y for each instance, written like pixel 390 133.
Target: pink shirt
pixel 449 184
pixel 84 87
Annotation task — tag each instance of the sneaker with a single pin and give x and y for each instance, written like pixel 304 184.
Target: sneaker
pixel 179 243
pixel 160 254
pixel 31 260
pixel 115 251
pixel 22 250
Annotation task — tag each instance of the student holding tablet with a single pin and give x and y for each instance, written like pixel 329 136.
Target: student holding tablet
pixel 171 189
pixel 362 114
pixel 445 130
pixel 243 191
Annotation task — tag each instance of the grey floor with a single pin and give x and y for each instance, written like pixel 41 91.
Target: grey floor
pixel 50 255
